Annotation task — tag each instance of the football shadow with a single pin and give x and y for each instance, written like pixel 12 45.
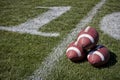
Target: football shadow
pixel 80 61
pixel 112 61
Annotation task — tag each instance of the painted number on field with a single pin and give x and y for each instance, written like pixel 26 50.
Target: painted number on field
pixel 110 24
pixel 32 26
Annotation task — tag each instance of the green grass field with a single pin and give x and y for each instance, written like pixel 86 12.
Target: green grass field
pixel 22 54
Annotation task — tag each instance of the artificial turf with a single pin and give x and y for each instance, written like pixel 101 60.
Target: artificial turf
pixel 22 54
pixel 67 70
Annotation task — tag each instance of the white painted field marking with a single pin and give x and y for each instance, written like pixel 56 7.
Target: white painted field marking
pixel 49 63
pixel 110 24
pixel 32 26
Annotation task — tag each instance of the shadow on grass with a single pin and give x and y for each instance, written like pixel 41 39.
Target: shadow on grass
pixel 80 61
pixel 112 61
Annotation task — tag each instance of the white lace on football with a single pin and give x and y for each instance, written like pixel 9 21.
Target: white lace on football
pixel 74 49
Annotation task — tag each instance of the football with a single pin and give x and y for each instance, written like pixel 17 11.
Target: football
pixel 99 56
pixel 87 38
pixel 75 53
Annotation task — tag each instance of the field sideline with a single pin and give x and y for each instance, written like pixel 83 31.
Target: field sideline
pixel 39 57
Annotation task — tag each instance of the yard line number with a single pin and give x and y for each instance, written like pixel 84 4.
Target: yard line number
pixel 110 24
pixel 32 26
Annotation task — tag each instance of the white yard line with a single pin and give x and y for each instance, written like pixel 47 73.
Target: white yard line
pixel 50 61
pixel 32 26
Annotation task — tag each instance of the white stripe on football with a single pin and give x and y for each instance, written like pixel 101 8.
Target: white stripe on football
pixel 100 55
pixel 74 49
pixel 87 36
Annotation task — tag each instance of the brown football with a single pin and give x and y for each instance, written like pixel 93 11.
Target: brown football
pixel 75 53
pixel 87 38
pixel 99 56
